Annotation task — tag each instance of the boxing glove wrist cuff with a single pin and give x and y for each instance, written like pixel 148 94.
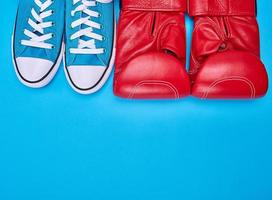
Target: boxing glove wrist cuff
pixel 221 7
pixel 154 5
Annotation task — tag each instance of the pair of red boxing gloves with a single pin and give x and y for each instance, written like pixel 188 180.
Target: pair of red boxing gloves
pixel 225 54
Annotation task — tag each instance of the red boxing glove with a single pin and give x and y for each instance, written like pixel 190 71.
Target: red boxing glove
pixel 225 54
pixel 151 49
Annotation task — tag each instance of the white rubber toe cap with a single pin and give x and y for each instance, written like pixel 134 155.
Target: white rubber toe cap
pixel 33 69
pixel 85 78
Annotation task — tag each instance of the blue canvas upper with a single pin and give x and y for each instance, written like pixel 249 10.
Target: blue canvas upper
pixel 23 15
pixel 106 19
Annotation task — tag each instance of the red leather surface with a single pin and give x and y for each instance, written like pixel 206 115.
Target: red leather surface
pixel 221 7
pixel 225 57
pixel 234 76
pixel 150 60
pixel 155 5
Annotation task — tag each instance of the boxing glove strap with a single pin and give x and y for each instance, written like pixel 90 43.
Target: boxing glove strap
pixel 154 5
pixel 221 7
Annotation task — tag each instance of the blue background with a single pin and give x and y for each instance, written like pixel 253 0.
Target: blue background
pixel 56 144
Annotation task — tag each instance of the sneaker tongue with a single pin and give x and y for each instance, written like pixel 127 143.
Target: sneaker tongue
pixel 92 60
pixel 37 33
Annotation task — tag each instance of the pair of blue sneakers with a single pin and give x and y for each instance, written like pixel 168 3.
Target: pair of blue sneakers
pixel 81 32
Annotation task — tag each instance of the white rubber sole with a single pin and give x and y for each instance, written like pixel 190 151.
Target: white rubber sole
pixel 102 82
pixel 44 81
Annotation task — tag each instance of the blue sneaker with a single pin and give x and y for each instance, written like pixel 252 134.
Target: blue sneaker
pixel 37 41
pixel 90 43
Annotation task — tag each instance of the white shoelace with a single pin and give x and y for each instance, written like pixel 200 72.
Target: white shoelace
pixel 39 40
pixel 87 46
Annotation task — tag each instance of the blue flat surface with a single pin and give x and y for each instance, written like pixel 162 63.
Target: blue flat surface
pixel 58 145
